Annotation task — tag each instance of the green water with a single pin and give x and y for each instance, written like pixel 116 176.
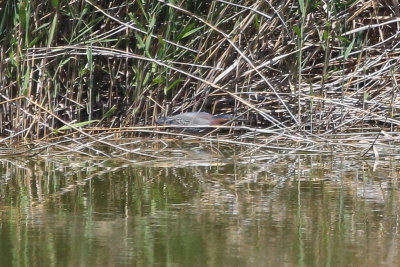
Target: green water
pixel 275 211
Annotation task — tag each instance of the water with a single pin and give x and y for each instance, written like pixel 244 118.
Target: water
pixel 202 210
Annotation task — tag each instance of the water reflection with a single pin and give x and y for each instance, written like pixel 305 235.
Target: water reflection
pixel 293 211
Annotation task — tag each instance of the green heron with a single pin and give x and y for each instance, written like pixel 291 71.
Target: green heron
pixel 195 119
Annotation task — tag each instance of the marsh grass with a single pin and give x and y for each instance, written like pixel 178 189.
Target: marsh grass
pixel 318 76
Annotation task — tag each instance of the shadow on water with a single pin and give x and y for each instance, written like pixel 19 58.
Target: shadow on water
pixel 200 210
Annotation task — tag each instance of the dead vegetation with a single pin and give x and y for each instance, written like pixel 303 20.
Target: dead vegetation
pixel 308 76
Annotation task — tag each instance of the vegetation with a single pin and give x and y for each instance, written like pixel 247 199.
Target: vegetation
pixel 301 70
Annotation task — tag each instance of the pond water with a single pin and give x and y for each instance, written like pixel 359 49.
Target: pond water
pixel 203 210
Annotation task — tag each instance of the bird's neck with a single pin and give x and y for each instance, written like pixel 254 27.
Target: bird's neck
pixel 218 121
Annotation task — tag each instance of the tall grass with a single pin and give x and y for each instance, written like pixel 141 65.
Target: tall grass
pixel 303 66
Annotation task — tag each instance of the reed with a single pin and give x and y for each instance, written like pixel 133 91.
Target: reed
pixel 292 68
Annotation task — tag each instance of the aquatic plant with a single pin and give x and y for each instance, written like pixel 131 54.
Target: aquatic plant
pixel 289 68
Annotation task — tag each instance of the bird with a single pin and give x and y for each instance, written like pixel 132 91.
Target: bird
pixel 197 119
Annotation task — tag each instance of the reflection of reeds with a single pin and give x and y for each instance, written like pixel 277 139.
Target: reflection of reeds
pixel 50 178
pixel 318 205
pixel 297 72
